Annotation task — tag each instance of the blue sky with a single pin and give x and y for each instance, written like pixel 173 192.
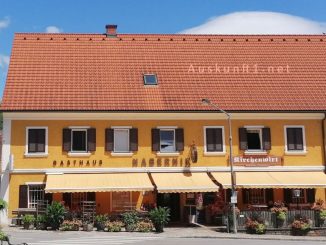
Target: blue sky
pixel 141 16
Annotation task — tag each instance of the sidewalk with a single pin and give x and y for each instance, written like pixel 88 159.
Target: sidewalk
pixel 182 232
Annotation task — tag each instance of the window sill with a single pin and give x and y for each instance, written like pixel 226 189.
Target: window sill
pixel 208 154
pixel 36 154
pixel 168 154
pixel 296 153
pixel 255 153
pixel 122 154
pixel 79 154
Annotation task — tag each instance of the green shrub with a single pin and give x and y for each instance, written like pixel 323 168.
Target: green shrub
pixel 114 226
pixel 281 215
pixel 160 217
pixel 3 204
pixel 55 215
pixel 130 219
pixel 3 236
pixel 101 218
pixel 28 219
pixel 322 214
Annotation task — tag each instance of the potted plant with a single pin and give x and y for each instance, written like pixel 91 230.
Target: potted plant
pixel 160 217
pixel 280 212
pixel 55 215
pixel 41 222
pixel 320 212
pixel 28 221
pixel 100 221
pixel 130 219
pixel 145 226
pixel 300 226
pixel 114 226
pixel 255 225
pixel 71 225
pixel 4 237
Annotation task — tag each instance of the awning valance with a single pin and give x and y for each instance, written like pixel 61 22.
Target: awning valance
pixel 183 182
pixel 98 182
pixel 273 179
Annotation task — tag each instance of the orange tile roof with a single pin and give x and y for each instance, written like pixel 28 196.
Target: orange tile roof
pixel 93 72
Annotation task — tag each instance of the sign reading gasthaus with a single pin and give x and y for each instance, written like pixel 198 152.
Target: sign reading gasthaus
pixel 252 160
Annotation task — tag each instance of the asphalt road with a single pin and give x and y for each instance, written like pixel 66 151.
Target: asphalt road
pixel 99 238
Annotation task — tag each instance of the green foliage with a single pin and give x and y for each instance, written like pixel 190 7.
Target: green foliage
pixel 160 216
pixel 71 225
pixel 3 204
pixel 3 236
pixel 281 215
pixel 114 226
pixel 260 229
pixel 322 214
pixel 130 219
pixel 101 218
pixel 55 215
pixel 41 219
pixel 28 219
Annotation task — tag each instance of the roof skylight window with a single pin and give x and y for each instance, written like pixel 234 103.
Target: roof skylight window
pixel 150 79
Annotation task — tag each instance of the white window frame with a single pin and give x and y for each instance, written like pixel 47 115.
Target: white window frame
pixel 36 154
pixel 29 203
pixel 71 139
pixel 295 152
pixel 121 154
pixel 172 153
pixel 214 153
pixel 256 151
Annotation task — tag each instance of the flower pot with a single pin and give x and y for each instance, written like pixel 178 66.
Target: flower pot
pixel 159 227
pixel 321 222
pixel 41 226
pixel 299 232
pixel 28 226
pixel 88 227
pixel 130 228
pixel 280 223
pixel 100 226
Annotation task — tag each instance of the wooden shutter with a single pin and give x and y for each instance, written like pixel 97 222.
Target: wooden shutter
pixel 290 139
pixel 133 139
pixel 179 138
pixel 155 139
pixel 245 196
pixel 109 139
pixel 310 195
pixel 91 196
pixel 91 139
pixel 267 144
pixel 269 195
pixel 298 139
pixel 66 139
pixel 23 196
pixel 287 196
pixel 243 144
pixel 66 197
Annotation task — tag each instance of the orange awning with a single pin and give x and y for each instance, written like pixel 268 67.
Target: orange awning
pixel 272 179
pixel 98 182
pixel 183 182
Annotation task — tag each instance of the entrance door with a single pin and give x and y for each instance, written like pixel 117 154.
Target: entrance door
pixel 172 201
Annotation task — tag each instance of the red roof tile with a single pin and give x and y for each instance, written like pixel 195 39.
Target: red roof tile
pixel 98 73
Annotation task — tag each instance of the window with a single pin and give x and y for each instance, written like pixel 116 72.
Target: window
pixel 122 201
pixel 121 140
pixel 35 195
pixel 255 139
pixel 79 140
pixel 76 200
pixel 257 196
pixel 298 196
pixel 214 139
pixel 295 139
pixel 167 140
pixel 36 140
pixel 150 79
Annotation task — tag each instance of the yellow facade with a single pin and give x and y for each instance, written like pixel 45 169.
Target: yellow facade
pixel 144 157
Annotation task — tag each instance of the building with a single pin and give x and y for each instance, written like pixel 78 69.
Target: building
pixel 118 118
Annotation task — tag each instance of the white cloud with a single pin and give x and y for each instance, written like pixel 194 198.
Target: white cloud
pixel 4 23
pixel 53 29
pixel 4 61
pixel 258 23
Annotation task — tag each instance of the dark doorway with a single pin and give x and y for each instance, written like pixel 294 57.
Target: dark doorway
pixel 172 201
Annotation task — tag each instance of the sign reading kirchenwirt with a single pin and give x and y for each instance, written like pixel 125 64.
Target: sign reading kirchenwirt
pixel 257 160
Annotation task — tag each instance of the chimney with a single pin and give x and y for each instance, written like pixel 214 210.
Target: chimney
pixel 111 30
